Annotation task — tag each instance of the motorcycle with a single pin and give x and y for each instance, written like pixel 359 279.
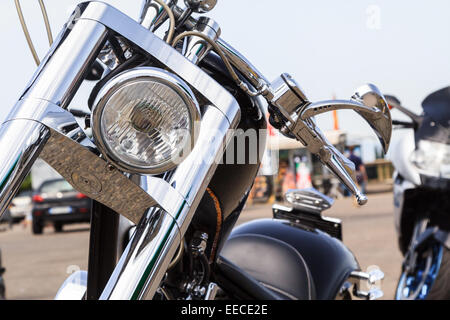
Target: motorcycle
pixel 167 153
pixel 421 199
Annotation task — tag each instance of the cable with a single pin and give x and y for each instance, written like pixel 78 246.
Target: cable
pixel 46 21
pixel 171 18
pixel 26 32
pixel 218 224
pixel 178 256
pixel 220 52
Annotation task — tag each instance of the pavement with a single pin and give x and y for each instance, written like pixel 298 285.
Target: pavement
pixel 38 265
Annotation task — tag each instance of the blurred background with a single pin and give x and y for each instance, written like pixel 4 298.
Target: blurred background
pixel 330 47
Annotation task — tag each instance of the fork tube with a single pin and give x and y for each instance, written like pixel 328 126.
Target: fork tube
pixel 65 66
pixel 23 134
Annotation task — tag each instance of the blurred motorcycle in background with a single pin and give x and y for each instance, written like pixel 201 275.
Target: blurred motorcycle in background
pixel 165 154
pixel 422 199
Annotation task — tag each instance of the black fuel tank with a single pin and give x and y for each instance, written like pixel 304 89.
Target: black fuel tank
pixel 329 260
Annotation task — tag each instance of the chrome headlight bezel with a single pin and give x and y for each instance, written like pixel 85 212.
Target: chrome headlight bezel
pixel 128 78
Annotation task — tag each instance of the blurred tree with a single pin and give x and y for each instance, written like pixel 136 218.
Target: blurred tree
pixel 26 185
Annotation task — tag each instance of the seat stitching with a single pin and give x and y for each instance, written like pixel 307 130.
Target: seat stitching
pixel 287 294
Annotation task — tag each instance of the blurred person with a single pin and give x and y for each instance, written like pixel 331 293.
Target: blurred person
pixel 360 170
pixel 286 180
pixel 27 221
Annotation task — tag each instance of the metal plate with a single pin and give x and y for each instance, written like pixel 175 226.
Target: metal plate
pixel 94 177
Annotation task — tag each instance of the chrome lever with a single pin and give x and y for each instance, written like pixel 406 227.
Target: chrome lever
pixel 344 169
pixel 341 167
pixel 288 98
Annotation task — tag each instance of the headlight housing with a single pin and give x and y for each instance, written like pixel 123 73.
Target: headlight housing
pixel 432 159
pixel 144 120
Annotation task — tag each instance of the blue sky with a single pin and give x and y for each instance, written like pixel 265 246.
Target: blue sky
pixel 331 47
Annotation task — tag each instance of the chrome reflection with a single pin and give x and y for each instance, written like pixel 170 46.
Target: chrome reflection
pixel 21 142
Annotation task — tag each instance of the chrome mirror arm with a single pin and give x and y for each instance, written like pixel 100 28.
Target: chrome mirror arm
pixel 316 108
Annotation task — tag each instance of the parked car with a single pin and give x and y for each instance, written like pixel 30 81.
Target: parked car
pixel 21 206
pixel 58 202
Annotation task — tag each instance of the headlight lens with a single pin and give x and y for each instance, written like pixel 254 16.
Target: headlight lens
pixel 432 159
pixel 144 120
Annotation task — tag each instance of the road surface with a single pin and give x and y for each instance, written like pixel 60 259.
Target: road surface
pixel 38 265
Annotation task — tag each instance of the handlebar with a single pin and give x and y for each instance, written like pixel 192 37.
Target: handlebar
pixel 286 98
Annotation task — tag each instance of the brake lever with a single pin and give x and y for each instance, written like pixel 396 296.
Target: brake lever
pixel 312 137
pixel 297 112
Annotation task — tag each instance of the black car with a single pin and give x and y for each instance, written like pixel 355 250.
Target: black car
pixel 58 202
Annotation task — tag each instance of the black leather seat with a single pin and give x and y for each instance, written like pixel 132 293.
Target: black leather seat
pixel 273 263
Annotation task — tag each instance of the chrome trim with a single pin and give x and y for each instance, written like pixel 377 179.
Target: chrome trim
pixel 237 59
pixel 21 142
pixel 63 69
pixel 23 135
pixel 212 291
pixel 200 6
pixel 146 258
pixel 309 200
pixel 135 75
pixel 74 287
pixel 195 47
pixel 352 287
pixel 250 72
pixel 153 15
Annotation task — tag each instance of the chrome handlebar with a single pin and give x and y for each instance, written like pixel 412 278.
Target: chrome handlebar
pixel 287 97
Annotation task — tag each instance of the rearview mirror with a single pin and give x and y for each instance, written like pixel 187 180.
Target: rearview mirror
pixel 394 103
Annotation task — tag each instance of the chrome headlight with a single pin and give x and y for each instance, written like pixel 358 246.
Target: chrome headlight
pixel 144 120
